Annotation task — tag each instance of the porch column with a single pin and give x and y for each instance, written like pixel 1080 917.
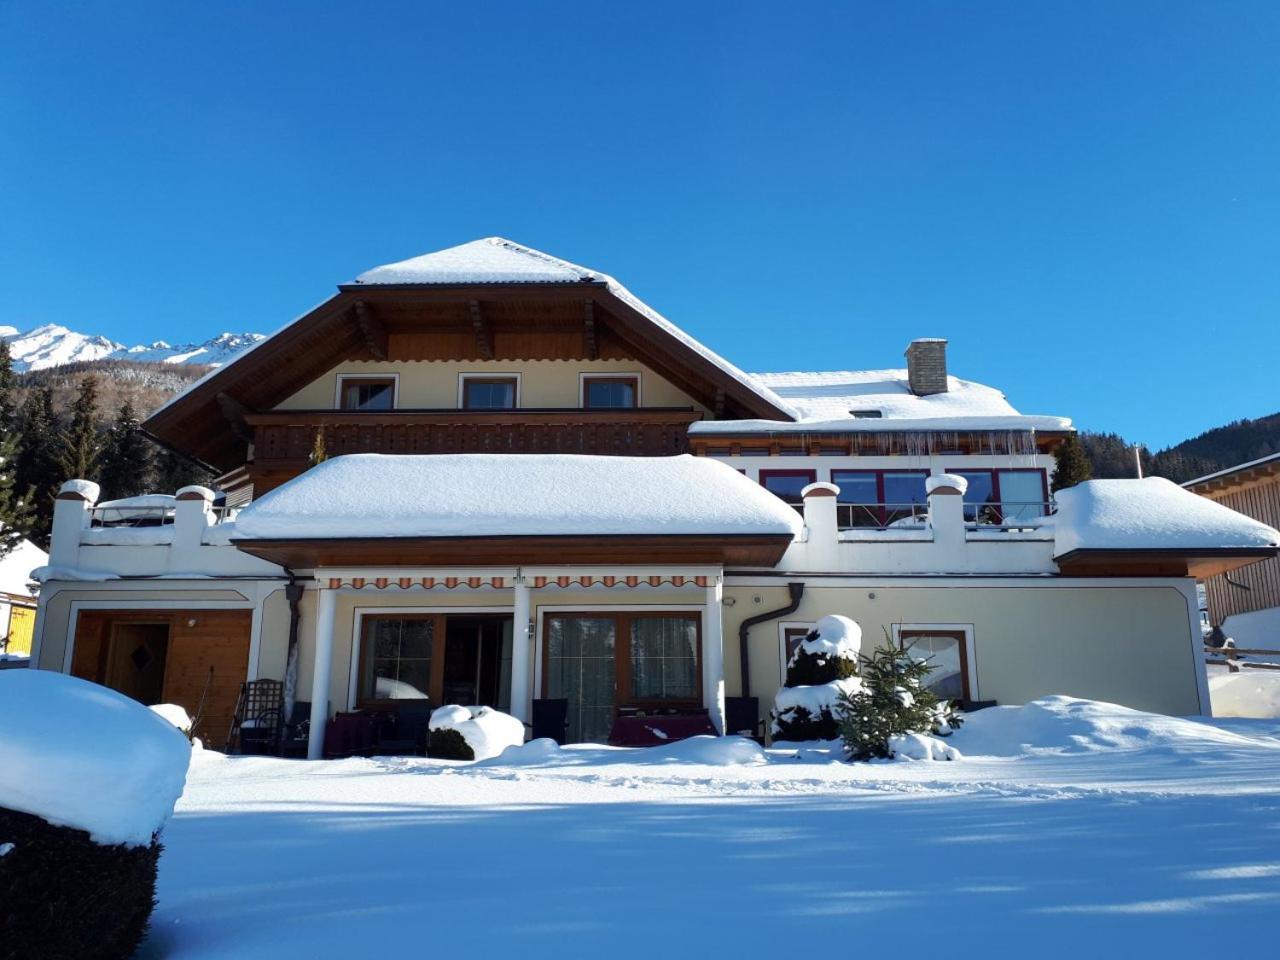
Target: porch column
pixel 321 671
pixel 713 654
pixel 520 655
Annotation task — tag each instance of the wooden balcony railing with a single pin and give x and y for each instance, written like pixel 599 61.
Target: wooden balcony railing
pixel 283 440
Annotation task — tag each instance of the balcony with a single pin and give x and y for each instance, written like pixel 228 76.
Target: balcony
pixel 284 439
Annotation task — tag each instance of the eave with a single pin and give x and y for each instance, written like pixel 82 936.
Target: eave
pixel 1200 563
pixel 752 550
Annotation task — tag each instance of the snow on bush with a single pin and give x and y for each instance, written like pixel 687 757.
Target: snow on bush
pixel 821 670
pixel 80 755
pixel 892 701
pixel 485 732
pixel 919 746
pixel 176 715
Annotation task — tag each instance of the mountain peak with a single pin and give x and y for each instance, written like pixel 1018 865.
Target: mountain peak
pixel 52 345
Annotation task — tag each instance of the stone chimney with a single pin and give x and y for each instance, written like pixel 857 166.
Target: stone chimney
pixel 927 366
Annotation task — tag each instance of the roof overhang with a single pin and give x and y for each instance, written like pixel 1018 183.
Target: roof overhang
pixel 752 550
pixel 1200 562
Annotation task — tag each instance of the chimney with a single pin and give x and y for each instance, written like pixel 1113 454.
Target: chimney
pixel 927 366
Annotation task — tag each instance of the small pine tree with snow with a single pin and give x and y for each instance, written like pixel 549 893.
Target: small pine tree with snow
pixel 823 667
pixel 892 700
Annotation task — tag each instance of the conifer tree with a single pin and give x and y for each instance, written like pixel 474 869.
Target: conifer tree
pixel 80 449
pixel 891 700
pixel 128 458
pixel 37 468
pixel 16 517
pixel 823 666
pixel 1071 464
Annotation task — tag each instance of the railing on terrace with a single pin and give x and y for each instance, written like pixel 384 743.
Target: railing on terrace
pixel 145 516
pixel 1009 516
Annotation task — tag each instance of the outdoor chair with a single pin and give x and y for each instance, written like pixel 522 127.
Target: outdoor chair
pixel 551 720
pixel 403 730
pixel 742 717
pixel 295 734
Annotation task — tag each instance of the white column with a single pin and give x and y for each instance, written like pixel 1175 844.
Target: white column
pixel 520 653
pixel 321 671
pixel 713 655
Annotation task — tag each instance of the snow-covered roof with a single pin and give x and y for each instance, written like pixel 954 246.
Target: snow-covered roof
pixel 495 495
pixel 879 400
pixel 16 567
pixel 1150 514
pixel 1238 468
pixel 496 260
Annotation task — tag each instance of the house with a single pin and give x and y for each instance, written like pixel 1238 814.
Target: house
pixel 17 602
pixel 532 486
pixel 1246 603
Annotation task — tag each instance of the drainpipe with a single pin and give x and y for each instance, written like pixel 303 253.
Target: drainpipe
pixel 293 594
pixel 797 591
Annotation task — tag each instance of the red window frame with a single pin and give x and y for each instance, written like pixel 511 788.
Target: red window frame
pixel 879 475
pixel 995 472
pixel 811 475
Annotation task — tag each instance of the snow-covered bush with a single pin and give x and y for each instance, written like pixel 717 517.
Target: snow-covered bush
pixel 822 668
pixel 472 733
pixel 84 793
pixel 892 704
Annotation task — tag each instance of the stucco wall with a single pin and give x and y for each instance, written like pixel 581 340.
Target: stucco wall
pixel 1125 644
pixel 543 383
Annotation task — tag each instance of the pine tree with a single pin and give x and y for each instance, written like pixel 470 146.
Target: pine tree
pixel 79 447
pixel 318 452
pixel 824 665
pixel 1071 464
pixel 891 700
pixel 16 516
pixel 37 467
pixel 128 458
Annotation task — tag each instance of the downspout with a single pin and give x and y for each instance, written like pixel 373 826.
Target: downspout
pixel 797 592
pixel 293 594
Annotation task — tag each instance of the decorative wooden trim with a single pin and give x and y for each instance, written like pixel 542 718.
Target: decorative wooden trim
pixel 374 333
pixel 590 345
pixel 753 550
pixel 484 334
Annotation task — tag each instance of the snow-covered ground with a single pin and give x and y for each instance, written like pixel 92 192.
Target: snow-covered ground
pixel 1116 834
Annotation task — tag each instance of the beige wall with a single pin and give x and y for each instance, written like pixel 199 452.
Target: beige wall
pixel 543 383
pixel 1129 645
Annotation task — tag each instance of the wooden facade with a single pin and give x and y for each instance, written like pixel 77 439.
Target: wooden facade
pixel 1254 490
pixel 169 656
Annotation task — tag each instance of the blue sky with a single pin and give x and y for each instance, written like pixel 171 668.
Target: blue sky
pixel 1083 197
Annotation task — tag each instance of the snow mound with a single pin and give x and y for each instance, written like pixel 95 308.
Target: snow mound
pixel 833 636
pixel 1249 693
pixel 95 760
pixel 1066 725
pixel 1153 513
pixel 175 714
pixel 921 746
pixel 544 750
pixel 488 732
pixel 709 751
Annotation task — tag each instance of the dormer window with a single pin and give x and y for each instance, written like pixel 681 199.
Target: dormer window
pixel 366 393
pixel 866 414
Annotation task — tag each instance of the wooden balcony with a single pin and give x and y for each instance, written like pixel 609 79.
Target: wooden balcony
pixel 284 439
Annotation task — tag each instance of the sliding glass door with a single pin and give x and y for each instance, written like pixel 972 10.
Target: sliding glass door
pixel 581 664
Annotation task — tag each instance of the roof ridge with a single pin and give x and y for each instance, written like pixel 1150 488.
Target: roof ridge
pixel 517 247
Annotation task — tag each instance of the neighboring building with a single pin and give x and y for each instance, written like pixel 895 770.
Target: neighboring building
pixel 1246 603
pixel 536 530
pixel 17 602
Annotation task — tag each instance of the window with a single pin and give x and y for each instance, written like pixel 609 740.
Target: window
pixel 366 393
pixel 787 484
pixel 489 393
pixel 792 634
pixel 601 662
pixel 610 393
pixel 396 658
pixel 878 498
pixel 1004 495
pixel 944 650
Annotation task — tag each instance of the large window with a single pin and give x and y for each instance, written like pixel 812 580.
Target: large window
pixel 601 662
pixel 1005 495
pixel 879 498
pixel 944 651
pixel 489 393
pixel 366 393
pixel 610 393
pixel 787 484
pixel 396 658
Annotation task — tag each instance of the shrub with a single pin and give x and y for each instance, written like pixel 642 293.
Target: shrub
pixel 891 700
pixel 449 745
pixel 823 666
pixel 65 896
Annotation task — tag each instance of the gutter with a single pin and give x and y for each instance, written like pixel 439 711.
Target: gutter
pixel 796 589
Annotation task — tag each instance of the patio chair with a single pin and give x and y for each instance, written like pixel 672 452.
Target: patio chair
pixel 256 721
pixel 551 720
pixel 295 735
pixel 742 717
pixel 403 729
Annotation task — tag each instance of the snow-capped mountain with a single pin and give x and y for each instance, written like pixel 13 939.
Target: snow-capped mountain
pixel 53 345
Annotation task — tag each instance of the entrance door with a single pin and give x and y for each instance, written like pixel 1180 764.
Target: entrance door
pixel 581 665
pixel 477 661
pixel 136 655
